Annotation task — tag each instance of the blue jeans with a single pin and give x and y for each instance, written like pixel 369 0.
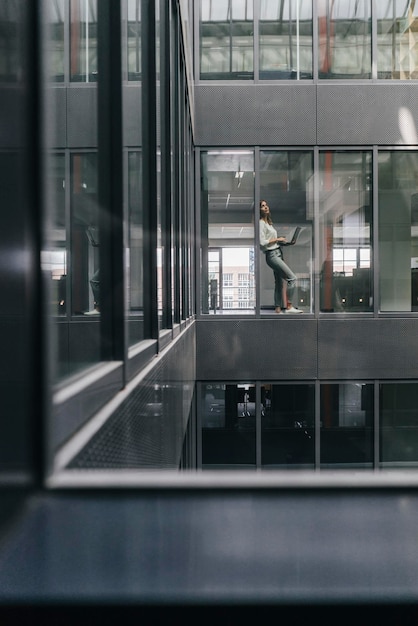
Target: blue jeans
pixel 282 275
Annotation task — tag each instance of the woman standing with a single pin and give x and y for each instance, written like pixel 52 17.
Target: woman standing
pixel 283 275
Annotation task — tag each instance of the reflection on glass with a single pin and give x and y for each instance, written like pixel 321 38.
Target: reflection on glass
pixel 398 424
pixel 287 426
pixel 228 425
pixel 10 32
pixel 83 41
pixel 160 251
pixel 285 39
pixel 286 184
pixel 55 259
pixel 227 200
pixel 344 37
pixel 397 41
pixel 134 39
pixel 160 248
pixel 85 279
pixel 55 17
pixel 70 262
pixel 345 231
pixel 346 425
pixel 135 250
pixel 226 39
pixel 398 230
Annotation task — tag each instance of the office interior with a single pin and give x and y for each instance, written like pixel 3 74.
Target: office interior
pixel 165 433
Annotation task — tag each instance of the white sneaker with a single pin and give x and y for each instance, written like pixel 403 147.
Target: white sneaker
pixel 93 312
pixel 293 310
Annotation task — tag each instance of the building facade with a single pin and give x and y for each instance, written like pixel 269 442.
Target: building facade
pixel 141 346
pixel 140 263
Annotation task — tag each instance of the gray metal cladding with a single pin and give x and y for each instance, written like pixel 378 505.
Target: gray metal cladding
pixel 307 349
pixel 307 114
pixel 56 116
pixel 258 114
pixel 147 430
pixel 383 114
pixel 270 349
pixel 254 114
pixel 382 348
pixel 82 116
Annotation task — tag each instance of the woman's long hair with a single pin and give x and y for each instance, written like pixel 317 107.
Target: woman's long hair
pixel 267 217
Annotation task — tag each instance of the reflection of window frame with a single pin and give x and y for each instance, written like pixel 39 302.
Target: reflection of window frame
pixel 288 30
pixel 82 165
pixel 329 37
pixel 230 41
pixel 57 19
pixel 134 27
pixel 391 34
pixel 82 25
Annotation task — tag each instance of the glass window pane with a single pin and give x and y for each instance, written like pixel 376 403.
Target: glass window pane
pixel 399 425
pixel 242 9
pixel 398 231
pixel 71 262
pixel 83 41
pixel 344 36
pixel 227 201
pixel 242 31
pixel 215 10
pixel 226 39
pixel 288 426
pixel 135 250
pixel 55 261
pixel 285 39
pixel 85 280
pixel 160 248
pixel 56 258
pixel 228 425
pixel 397 40
pixel 346 425
pixel 55 17
pixel 134 39
pixel 345 231
pixel 286 185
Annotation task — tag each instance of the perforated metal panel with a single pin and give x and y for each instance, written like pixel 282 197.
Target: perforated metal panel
pixel 300 114
pixel 82 117
pixel 272 349
pixel 375 348
pixel 255 114
pixel 147 430
pixel 56 117
pixel 368 114
pixel 132 115
pixel 306 349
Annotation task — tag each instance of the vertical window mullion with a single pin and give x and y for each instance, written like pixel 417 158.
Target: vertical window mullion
pixel 376 424
pixel 257 231
pixel 110 173
pixel 165 78
pixel 149 170
pixel 176 217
